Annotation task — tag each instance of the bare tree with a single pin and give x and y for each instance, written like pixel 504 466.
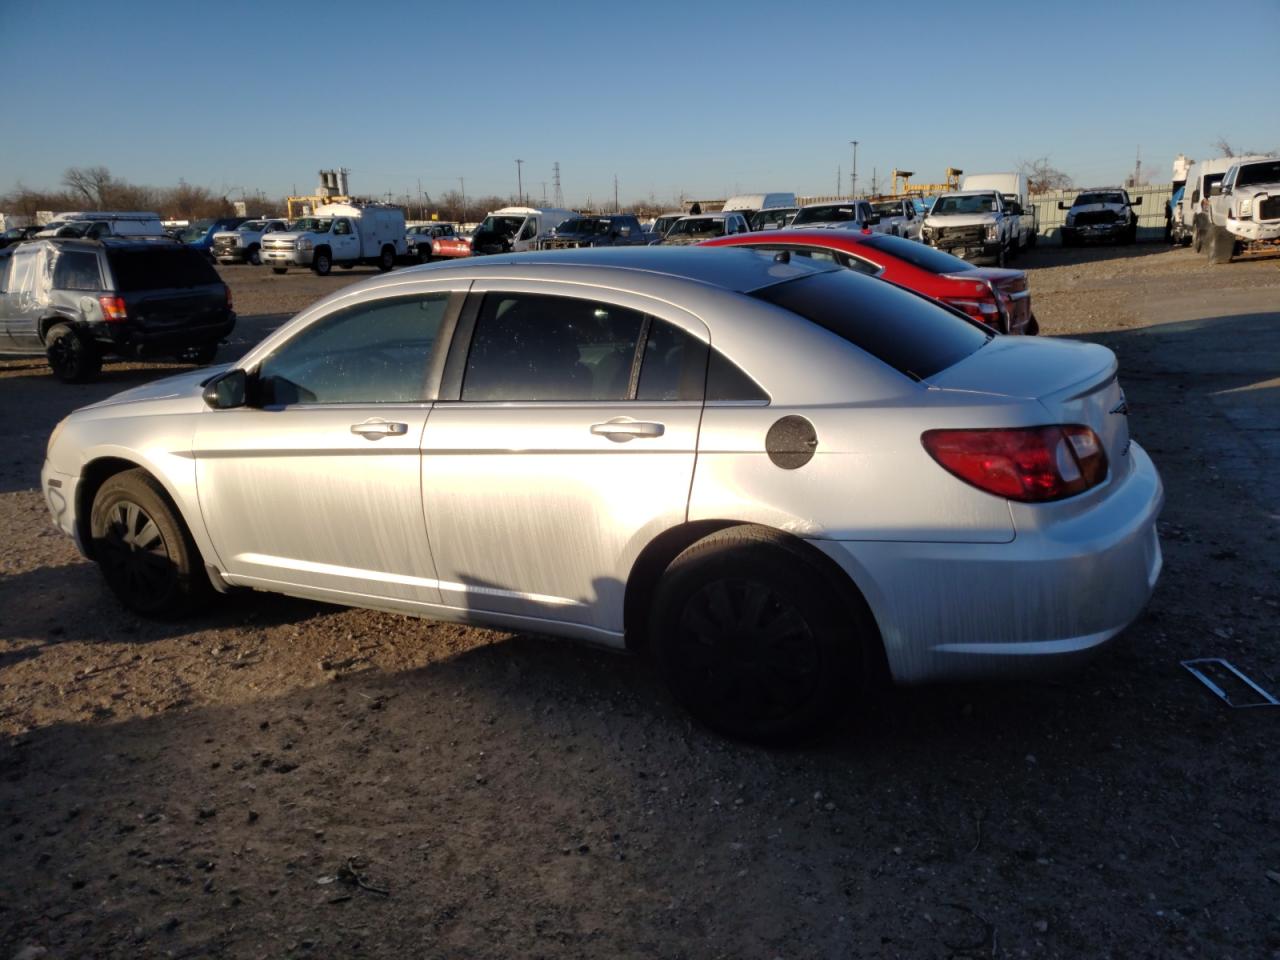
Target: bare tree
pixel 91 184
pixel 1043 177
pixel 1224 148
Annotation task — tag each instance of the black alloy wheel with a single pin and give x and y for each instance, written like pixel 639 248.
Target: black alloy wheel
pixel 134 556
pixel 749 650
pixel 321 263
pixel 73 357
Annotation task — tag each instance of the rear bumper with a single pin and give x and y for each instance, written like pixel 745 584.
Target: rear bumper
pixel 1035 606
pixel 1097 231
pixel 129 340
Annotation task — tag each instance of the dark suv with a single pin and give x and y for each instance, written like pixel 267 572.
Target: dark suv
pixel 612 231
pixel 79 300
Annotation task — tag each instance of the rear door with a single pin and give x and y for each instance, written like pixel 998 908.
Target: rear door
pixel 563 442
pixel 25 295
pixel 167 288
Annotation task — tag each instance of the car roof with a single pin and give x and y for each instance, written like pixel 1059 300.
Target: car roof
pixel 740 271
pixel 985 192
pixel 842 239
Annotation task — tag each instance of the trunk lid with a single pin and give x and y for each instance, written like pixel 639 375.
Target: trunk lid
pixel 1074 383
pixel 173 309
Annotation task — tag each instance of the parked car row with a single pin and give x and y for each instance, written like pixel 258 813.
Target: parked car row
pixel 783 477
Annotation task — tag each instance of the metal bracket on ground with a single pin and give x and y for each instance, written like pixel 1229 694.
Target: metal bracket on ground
pixel 1216 674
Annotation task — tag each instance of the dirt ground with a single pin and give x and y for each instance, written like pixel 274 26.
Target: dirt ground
pixel 287 779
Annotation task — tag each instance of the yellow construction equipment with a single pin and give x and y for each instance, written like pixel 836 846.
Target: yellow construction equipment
pixel 902 185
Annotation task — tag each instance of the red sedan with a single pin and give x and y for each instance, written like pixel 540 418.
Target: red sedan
pixel 997 297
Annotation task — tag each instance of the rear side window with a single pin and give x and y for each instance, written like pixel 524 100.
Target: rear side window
pixel 917 254
pixel 159 268
pixel 674 364
pixel 77 271
pixel 906 331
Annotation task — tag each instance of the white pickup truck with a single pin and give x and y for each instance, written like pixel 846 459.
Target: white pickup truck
pixel 244 243
pixel 899 217
pixel 971 224
pixel 341 233
pixel 1244 209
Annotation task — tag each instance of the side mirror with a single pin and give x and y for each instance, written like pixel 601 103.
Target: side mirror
pixel 227 391
pixel 1062 206
pixel 1136 203
pixel 1215 190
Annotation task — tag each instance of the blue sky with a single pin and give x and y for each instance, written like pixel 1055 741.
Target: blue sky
pixel 700 98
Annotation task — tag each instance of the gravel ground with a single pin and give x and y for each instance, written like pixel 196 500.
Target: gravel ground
pixel 288 779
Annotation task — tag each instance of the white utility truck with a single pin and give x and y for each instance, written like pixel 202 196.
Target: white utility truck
pixel 1015 190
pixel 338 233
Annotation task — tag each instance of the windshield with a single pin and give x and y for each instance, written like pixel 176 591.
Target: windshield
pixel 503 226
pixel 663 224
pixel 826 213
pixel 1258 173
pixel 978 203
pixel 1098 197
pixel 253 226
pixel 698 227
pixel 195 231
pixel 907 331
pixel 310 225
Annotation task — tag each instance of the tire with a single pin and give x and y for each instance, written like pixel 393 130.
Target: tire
pixel 754 637
pixel 1130 235
pixel 200 354
pixel 1222 245
pixel 253 256
pixel 387 259
pixel 73 357
pixel 1197 237
pixel 279 270
pixel 1033 327
pixel 144 549
pixel 322 263
pixel 1068 239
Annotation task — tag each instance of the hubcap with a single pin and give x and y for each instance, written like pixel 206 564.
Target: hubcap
pixel 748 652
pixel 134 552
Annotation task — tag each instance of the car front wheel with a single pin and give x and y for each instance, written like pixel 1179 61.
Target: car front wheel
pixel 321 263
pixel 73 356
pixel 754 637
pixel 143 548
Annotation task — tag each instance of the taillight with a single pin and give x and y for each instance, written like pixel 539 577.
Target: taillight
pixel 988 311
pixel 1031 464
pixel 114 309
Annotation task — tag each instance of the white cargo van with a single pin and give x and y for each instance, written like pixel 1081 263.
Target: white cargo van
pixel 1191 217
pixel 1016 192
pixel 341 233
pixel 514 229
pixel 103 223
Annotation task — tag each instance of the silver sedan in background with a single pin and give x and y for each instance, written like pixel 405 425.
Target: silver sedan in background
pixel 782 478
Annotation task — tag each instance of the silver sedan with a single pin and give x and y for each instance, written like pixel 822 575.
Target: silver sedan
pixel 782 478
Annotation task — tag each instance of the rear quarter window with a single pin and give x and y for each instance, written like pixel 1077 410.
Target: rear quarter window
pixel 914 336
pixel 160 268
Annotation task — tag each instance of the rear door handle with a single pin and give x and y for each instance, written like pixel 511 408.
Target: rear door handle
pixel 621 430
pixel 377 429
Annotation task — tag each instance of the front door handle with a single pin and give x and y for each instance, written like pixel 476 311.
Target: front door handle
pixel 377 429
pixel 622 430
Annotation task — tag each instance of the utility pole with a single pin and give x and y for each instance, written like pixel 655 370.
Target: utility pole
pixel 853 171
pixel 422 212
pixel 544 193
pixel 616 208
pixel 839 180
pixel 874 190
pixel 520 180
pixel 463 184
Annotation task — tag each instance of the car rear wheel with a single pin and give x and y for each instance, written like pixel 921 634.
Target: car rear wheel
pixel 754 638
pixel 279 270
pixel 254 256
pixel 322 263
pixel 73 357
pixel 387 259
pixel 144 550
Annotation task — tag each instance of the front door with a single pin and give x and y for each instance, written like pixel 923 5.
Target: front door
pixel 317 485
pixel 346 242
pixel 563 442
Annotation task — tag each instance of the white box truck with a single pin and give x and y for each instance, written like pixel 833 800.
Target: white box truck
pixel 339 233
pixel 514 229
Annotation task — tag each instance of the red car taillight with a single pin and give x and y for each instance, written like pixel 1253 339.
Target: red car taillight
pixel 114 309
pixel 988 311
pixel 1031 464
